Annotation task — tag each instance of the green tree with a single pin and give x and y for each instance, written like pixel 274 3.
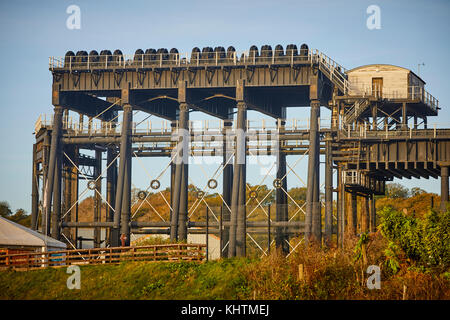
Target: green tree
pixel 21 217
pixel 417 191
pixel 5 209
pixel 396 190
pixel 298 194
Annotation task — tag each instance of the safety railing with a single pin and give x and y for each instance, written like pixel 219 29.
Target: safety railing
pixel 361 179
pixel 419 93
pixel 334 71
pixel 177 59
pixel 365 131
pixel 154 253
pixel 164 127
pixel 413 93
pixel 210 58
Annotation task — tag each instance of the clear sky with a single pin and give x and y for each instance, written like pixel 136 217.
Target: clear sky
pixel 412 32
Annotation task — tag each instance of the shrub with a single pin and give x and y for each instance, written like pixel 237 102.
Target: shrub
pixel 424 241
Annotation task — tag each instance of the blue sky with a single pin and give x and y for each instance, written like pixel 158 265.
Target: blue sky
pixel 412 32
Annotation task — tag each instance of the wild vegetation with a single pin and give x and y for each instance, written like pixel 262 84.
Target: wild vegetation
pixel 411 247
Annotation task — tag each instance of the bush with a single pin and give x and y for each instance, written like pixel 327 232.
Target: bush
pixel 424 241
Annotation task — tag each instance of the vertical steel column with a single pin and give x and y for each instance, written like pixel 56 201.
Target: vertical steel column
pixel 281 213
pixel 227 176
pixel 373 214
pixel 365 214
pixel 241 155
pixel 183 213
pixel 328 191
pixel 121 190
pixel 178 227
pixel 312 219
pixel 126 201
pixel 45 156
pixel 67 190
pixel 34 192
pixel 111 181
pixel 56 213
pixel 374 116
pixel 75 189
pixel 444 188
pixel 268 228
pixel 342 205
pixel 352 213
pixel 173 166
pixel 338 207
pixel 53 163
pixel 97 197
pixel 238 197
pixel 404 116
pixel 207 233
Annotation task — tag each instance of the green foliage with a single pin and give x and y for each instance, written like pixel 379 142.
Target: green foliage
pixel 391 253
pixel 423 241
pixel 361 247
pixel 5 209
pixel 20 216
pixel 395 190
pixel 298 194
pixel 417 191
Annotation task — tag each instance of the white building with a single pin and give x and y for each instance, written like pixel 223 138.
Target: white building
pixel 15 238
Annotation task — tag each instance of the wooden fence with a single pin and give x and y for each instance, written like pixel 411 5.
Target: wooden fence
pixel 162 252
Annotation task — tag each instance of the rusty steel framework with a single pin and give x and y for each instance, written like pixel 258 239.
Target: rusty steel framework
pixel 367 142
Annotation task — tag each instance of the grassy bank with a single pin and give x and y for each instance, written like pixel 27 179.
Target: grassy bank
pixel 412 253
pixel 329 274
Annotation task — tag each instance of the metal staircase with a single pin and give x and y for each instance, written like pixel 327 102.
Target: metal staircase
pixel 332 70
pixel 356 110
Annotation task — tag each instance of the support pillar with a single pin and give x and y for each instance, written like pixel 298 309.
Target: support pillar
pixel 75 188
pixel 111 185
pixel 178 226
pixel 125 145
pixel 328 191
pixel 241 144
pixel 281 214
pixel 352 214
pixel 404 116
pixel 227 182
pixel 126 194
pixel 68 169
pixel 97 197
pixel 444 188
pixel 373 214
pixel 238 215
pixel 56 213
pixel 53 163
pixel 312 219
pixel 340 211
pixel 365 214
pixel 374 116
pixel 34 192
pixel 45 163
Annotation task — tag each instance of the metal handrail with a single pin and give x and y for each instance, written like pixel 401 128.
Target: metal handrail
pixel 164 126
pixel 413 93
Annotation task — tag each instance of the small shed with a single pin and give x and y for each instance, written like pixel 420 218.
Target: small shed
pixel 384 81
pixel 15 238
